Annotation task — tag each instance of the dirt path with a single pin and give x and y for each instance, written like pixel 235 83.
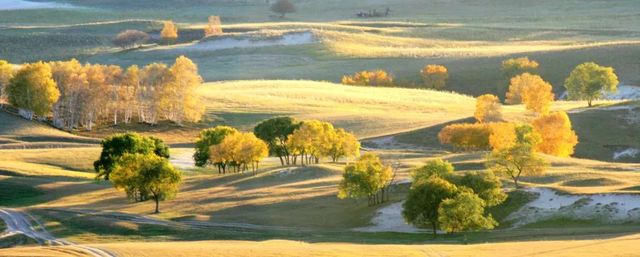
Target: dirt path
pixel 22 223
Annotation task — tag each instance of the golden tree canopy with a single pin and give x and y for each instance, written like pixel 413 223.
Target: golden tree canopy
pixel 169 31
pixel 488 109
pixel 369 78
pixel 435 76
pixel 558 137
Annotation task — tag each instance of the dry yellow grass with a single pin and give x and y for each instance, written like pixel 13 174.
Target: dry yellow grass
pixel 366 111
pixel 620 245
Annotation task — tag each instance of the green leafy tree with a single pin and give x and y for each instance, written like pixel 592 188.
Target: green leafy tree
pixel 33 89
pixel 436 167
pixel 423 202
pixel 116 146
pixel 207 138
pixel 464 212
pixel 275 132
pixel 367 176
pixel 519 159
pixel 486 185
pixel 588 81
pixel 283 7
pixel 147 174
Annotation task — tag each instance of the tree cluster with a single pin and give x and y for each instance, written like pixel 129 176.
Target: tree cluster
pixel 488 109
pixel 80 96
pixel 451 202
pixel 466 136
pixel 130 38
pixel 169 32
pixel 379 78
pixel 115 146
pixel 367 177
pixel 238 150
pixel 315 139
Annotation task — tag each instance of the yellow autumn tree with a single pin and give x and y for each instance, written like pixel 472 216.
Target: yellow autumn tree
pixel 503 135
pixel 434 76
pixel 213 27
pixel 33 90
pixel 536 94
pixel 488 109
pixel 185 101
pixel 369 78
pixel 558 137
pixel 520 83
pixel 240 151
pixel 169 32
pixel 466 136
pixel 516 66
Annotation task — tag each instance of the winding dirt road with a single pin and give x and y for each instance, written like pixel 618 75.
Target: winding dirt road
pixel 22 223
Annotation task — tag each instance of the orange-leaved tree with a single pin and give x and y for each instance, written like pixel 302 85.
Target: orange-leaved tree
pixel 558 138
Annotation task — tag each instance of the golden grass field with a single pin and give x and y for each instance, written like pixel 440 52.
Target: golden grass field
pixel 618 245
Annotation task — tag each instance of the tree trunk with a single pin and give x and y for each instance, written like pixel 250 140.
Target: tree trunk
pixel 157 204
pixel 589 102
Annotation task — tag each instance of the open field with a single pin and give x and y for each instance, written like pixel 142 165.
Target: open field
pixel 265 67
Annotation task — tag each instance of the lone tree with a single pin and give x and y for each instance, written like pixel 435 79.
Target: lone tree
pixel 130 38
pixel 33 90
pixel 208 138
pixel 368 176
pixel 169 33
pixel 114 147
pixel 213 27
pixel 488 109
pixel 146 175
pixel 275 132
pixel 435 76
pixel 520 159
pixel 283 7
pixel 589 81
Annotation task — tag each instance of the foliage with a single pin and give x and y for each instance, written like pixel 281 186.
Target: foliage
pixel 516 66
pixel 239 150
pixel 369 78
pixel 283 7
pixel 486 185
pixel 93 94
pixel 316 139
pixel 488 109
pixel 6 73
pixel 436 167
pixel 114 147
pixel 589 80
pixel 423 202
pixel 275 132
pixel 181 99
pixel 503 135
pixel 367 176
pixel 206 139
pixel 464 212
pixel 519 159
pixel 531 90
pixel 213 27
pixel 558 138
pixel 130 38
pixel 33 89
pixel 169 32
pixel 434 76
pixel 146 176
pixel 466 136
